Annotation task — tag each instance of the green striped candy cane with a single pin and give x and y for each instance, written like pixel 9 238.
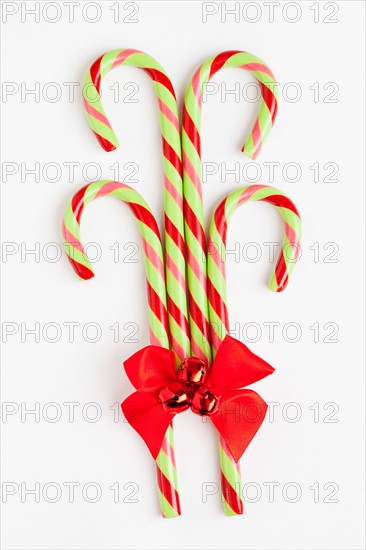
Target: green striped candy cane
pixel 156 292
pixel 172 164
pixel 217 293
pixel 192 174
pixel 194 217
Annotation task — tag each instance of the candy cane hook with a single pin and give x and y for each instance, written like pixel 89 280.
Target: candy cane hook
pixel 156 292
pixel 192 174
pixel 172 164
pixel 217 293
pixel 217 290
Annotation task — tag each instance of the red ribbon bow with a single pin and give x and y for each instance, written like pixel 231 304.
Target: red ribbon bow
pixel 162 392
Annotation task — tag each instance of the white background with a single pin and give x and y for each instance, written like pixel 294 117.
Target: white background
pixel 35 290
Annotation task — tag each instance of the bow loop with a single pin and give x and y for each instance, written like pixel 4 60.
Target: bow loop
pixel 235 366
pixel 150 368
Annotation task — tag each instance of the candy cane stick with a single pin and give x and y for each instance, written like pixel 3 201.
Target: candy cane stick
pixel 218 294
pixel 194 218
pixel 173 201
pixel 192 177
pixel 156 292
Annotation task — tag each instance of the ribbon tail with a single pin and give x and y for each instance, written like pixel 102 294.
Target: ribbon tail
pixel 146 415
pixel 239 418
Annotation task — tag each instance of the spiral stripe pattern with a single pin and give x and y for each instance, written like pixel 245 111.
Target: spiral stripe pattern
pixel 217 249
pixel 192 168
pixel 194 219
pixel 217 293
pixel 156 292
pixel 172 165
pixel 230 482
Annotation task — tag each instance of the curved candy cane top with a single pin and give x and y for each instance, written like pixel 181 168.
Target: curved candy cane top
pixel 95 114
pixel 217 247
pixel 158 319
pixel 151 244
pixel 268 105
pixel 192 175
pixel 172 163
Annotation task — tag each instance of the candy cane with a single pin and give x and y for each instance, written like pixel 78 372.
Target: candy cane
pixel 173 201
pixel 156 292
pixel 218 294
pixel 194 218
pixel 192 168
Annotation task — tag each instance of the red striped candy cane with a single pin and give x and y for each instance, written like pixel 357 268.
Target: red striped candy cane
pixel 194 218
pixel 217 291
pixel 217 249
pixel 192 175
pixel 172 162
pixel 156 293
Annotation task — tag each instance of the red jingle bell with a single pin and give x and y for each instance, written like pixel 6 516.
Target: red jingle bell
pixel 174 398
pixel 204 402
pixel 192 371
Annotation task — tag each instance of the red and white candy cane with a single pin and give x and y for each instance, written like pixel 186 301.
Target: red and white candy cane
pixel 217 291
pixel 156 293
pixel 172 164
